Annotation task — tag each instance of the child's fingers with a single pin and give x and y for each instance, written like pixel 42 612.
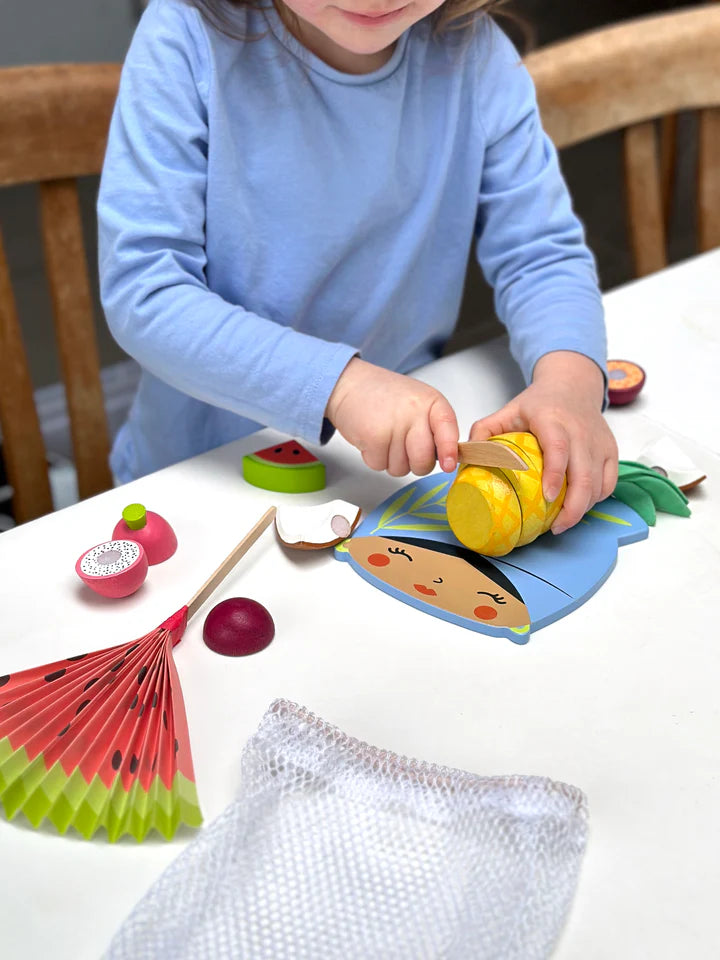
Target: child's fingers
pixel 375 455
pixel 609 477
pixel 420 448
pixel 445 433
pixel 580 491
pixel 397 462
pixel 555 445
pixel 504 420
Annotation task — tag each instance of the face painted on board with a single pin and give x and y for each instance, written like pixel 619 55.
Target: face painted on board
pixel 446 582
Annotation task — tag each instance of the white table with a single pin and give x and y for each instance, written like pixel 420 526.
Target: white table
pixel 619 698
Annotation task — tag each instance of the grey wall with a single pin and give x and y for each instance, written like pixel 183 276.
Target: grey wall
pixel 79 30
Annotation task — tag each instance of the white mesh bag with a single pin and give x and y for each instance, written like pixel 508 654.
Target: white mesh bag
pixel 335 850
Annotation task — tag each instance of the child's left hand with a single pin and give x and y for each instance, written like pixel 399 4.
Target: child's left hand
pixel 562 408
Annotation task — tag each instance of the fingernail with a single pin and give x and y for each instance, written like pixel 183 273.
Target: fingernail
pixel 558 528
pixel 448 464
pixel 550 492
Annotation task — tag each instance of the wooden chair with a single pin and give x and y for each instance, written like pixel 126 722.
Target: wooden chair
pixel 627 77
pixel 53 128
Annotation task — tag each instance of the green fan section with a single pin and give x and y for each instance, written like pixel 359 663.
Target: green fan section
pixel 28 787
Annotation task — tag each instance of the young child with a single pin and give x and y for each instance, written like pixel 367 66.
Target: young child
pixel 288 201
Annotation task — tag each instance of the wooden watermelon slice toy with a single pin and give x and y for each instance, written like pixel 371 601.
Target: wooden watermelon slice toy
pixel 101 739
pixel 284 468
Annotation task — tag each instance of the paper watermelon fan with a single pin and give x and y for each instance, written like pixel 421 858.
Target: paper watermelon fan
pixel 101 739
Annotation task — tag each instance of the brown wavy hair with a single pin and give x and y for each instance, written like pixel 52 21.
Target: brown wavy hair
pixel 452 15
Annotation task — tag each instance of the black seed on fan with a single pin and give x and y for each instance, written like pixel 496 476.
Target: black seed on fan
pixel 80 656
pixel 82 706
pixel 134 764
pixel 116 760
pixel 155 699
pixel 90 683
pixel 142 674
pixel 177 746
pixel 134 702
pixel 64 730
pixel 142 710
pixel 117 665
pixel 130 649
pixel 4 680
pixel 55 676
pixel 165 719
pixel 154 763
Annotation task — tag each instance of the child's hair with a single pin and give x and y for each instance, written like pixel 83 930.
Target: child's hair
pixel 452 15
pixel 476 560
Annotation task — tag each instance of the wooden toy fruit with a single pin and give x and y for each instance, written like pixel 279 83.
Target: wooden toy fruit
pixel 149 529
pixel 317 526
pixel 483 510
pixel 115 568
pixel 237 627
pixel 626 380
pixel 493 510
pixel 284 468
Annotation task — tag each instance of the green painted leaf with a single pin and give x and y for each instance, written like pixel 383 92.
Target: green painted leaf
pixel 428 496
pixel 394 507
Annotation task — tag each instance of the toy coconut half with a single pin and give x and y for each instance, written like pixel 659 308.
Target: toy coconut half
pixel 492 510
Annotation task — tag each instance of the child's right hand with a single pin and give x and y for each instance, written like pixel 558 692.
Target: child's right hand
pixel 397 423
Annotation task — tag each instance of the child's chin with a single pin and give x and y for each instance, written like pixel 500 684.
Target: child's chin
pixel 370 45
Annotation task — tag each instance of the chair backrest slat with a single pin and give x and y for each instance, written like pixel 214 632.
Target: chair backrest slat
pixel 618 76
pixel 644 198
pixel 625 76
pixel 709 178
pixel 67 273
pixel 23 447
pixel 54 120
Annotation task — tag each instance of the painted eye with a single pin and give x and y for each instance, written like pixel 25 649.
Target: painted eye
pixel 439 580
pixel 398 551
pixel 493 596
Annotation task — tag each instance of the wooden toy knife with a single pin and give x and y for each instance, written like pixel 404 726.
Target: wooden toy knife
pixel 490 453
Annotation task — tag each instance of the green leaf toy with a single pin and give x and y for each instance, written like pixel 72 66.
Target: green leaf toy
pixel 647 491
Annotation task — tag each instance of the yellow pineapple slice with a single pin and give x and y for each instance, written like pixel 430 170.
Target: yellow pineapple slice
pixel 483 510
pixel 537 513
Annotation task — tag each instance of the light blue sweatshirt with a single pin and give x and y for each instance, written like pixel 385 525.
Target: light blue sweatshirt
pixel 264 217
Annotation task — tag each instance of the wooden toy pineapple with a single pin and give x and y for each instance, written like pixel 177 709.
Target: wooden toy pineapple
pixel 493 510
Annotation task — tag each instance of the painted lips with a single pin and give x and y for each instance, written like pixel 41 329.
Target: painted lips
pixel 425 591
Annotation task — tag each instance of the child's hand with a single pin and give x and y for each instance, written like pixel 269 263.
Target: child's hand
pixel 398 424
pixel 562 408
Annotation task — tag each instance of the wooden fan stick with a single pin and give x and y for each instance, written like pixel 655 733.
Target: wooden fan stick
pixel 229 562
pixel 490 453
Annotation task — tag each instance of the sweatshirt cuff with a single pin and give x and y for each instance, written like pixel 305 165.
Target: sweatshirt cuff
pixel 312 424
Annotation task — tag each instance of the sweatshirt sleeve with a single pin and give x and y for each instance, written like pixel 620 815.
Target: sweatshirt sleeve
pixel 530 244
pixel 151 213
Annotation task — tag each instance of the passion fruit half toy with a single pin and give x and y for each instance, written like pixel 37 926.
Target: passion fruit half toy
pixel 238 627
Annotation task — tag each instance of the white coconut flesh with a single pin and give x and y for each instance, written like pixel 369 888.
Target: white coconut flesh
pixel 322 525
pixel 665 456
pixel 110 558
